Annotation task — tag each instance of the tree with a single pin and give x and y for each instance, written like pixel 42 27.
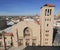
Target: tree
pixel 3 34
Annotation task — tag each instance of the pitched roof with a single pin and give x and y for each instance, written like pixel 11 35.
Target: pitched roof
pixel 49 5
pixel 8 34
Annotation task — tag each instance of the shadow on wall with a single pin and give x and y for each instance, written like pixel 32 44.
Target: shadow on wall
pixel 54 33
pixel 41 48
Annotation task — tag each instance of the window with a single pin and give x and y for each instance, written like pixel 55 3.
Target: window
pixel 46 39
pixel 27 42
pixel 46 42
pixel 45 12
pixel 47 30
pixel 27 31
pixel 33 42
pixel 20 42
pixel 46 35
pixel 47 19
pixel 50 11
pixel 47 25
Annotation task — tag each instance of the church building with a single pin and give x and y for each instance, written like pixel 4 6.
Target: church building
pixel 35 32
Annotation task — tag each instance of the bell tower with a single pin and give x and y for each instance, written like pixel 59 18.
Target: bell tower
pixel 47 18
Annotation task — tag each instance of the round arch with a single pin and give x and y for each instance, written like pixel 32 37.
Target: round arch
pixel 27 31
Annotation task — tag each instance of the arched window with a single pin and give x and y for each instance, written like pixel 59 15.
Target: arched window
pixel 48 12
pixel 45 12
pixel 26 31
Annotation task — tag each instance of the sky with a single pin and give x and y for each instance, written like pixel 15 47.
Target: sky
pixel 25 7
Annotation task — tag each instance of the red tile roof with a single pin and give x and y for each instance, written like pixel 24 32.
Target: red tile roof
pixel 49 5
pixel 8 34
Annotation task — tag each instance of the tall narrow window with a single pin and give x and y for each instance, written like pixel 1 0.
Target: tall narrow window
pixel 20 42
pixel 33 42
pixel 50 11
pixel 45 12
pixel 47 25
pixel 27 42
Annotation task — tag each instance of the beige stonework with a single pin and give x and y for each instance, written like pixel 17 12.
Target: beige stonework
pixel 37 33
pixel 7 41
pixel 47 31
pixel 34 32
